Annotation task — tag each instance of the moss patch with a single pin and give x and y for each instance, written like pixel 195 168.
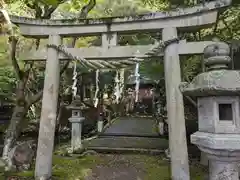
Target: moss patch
pixel 158 168
pixel 63 168
pixel 72 168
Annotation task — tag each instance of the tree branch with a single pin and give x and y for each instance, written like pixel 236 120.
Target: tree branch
pixel 87 8
pixel 35 6
pixel 35 98
pixel 216 24
pixel 83 14
pixel 31 6
pixel 65 66
pixel 13 48
pixel 48 11
pixel 199 35
pixel 27 73
pixel 228 28
pixel 47 15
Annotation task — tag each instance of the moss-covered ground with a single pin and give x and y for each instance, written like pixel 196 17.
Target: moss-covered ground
pixel 64 168
pixel 148 167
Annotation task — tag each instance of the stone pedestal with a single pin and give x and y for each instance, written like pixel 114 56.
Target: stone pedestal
pixel 76 139
pixel 223 170
pixel 223 152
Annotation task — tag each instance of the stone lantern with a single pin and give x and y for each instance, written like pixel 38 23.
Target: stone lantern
pixel 100 122
pixel 217 91
pixel 76 120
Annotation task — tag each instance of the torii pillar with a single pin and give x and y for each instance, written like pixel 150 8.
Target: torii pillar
pixel 175 108
pixel 43 169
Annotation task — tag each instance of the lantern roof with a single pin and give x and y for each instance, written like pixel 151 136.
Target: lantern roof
pixel 218 80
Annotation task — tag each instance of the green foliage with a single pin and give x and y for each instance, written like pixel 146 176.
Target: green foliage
pixel 78 168
pixel 7 84
pixel 157 168
pixel 191 67
pixel 7 76
pixel 63 168
pixel 119 8
pixel 153 69
pixel 157 4
pixel 228 29
pixel 50 2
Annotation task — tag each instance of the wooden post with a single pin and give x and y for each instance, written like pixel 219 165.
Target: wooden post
pixel 175 109
pixel 43 168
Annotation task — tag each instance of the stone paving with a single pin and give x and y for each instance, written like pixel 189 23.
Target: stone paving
pixel 131 143
pixel 133 126
pixel 130 133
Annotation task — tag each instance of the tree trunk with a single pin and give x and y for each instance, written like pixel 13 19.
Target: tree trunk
pixel 14 128
pixel 13 131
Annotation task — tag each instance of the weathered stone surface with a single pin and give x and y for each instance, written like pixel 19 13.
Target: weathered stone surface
pixel 76 138
pixel 199 16
pixel 219 81
pixel 133 143
pixel 175 109
pixel 143 17
pixel 223 170
pixel 118 52
pixel 49 112
pixel 23 155
pixel 132 126
pixel 216 49
pixel 208 115
pixel 219 128
pixel 76 121
pixel 225 142
pixel 196 20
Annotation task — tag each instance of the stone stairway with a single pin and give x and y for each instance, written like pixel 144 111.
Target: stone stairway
pixel 129 134
pixel 127 144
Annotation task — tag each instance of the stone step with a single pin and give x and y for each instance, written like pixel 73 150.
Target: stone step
pixel 129 135
pixel 107 150
pixel 132 126
pixel 127 144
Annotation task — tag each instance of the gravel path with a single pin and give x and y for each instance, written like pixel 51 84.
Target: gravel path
pixel 117 167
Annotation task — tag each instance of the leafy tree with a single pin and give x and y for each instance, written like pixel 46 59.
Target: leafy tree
pixel 24 99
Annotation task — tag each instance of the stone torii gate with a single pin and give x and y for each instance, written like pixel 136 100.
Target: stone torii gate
pixel 169 23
